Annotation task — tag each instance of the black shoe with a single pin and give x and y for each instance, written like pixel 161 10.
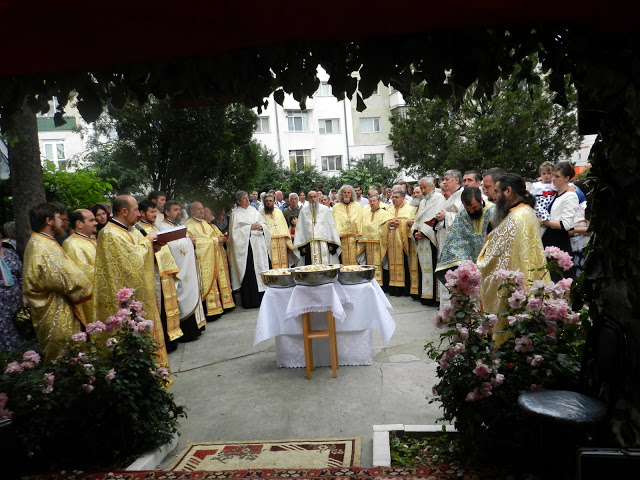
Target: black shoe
pixel 228 310
pixel 213 318
pixel 171 346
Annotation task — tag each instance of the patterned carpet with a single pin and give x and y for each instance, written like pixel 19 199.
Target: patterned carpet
pixel 441 472
pixel 270 454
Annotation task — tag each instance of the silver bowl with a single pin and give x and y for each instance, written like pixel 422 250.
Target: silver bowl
pixel 353 278
pixel 277 281
pixel 315 278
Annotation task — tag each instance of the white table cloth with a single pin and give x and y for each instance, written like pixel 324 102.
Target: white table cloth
pixel 358 310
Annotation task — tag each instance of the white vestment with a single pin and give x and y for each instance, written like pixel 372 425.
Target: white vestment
pixel 427 210
pixel 240 234
pixel 187 279
pixel 453 205
pixel 316 228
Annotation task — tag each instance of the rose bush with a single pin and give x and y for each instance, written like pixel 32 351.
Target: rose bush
pixel 100 404
pixel 480 378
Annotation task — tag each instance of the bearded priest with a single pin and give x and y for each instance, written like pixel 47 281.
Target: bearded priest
pixel 125 259
pixel 282 254
pixel 347 213
pixel 249 246
pixel 395 239
pixel 374 217
pixel 424 236
pixel 54 286
pixel 316 235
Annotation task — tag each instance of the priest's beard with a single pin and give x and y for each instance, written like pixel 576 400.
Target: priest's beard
pixel 500 211
pixel 415 201
pixel 314 208
pixel 268 210
pixel 476 215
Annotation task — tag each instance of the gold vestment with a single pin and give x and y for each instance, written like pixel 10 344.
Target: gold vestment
pixel 348 218
pixel 82 251
pixel 166 268
pixel 55 288
pixel 214 269
pixel 515 244
pixel 372 226
pixel 125 259
pixel 281 243
pixel 397 242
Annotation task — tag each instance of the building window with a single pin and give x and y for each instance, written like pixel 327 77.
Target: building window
pixel 54 150
pixel 370 125
pixel 299 159
pixel 324 90
pixel 329 125
pixel 298 121
pixel 263 125
pixel 333 162
pixel 379 157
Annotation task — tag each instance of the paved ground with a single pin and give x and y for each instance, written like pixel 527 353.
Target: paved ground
pixel 233 391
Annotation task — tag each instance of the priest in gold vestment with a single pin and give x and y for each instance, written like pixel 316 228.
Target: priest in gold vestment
pixel 282 254
pixel 81 248
pixel 165 270
pixel 374 218
pixel 347 213
pixel 396 240
pixel 54 286
pixel 513 244
pixel 214 267
pixel 124 259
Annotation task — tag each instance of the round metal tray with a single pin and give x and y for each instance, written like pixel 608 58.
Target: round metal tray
pixel 278 281
pixel 353 278
pixel 314 278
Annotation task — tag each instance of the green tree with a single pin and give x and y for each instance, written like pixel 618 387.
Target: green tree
pixel 201 152
pixel 79 189
pixel 272 173
pixel 367 173
pixel 517 129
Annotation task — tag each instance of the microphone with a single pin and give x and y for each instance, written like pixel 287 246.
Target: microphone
pixel 141 230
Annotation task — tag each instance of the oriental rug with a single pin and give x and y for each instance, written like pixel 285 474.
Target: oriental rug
pixel 440 472
pixel 280 454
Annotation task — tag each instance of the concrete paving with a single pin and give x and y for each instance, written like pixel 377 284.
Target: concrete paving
pixel 235 392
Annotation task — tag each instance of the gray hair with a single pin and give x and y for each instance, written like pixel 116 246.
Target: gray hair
pixel 240 194
pixel 453 173
pixel 269 195
pixel 292 195
pixel 398 192
pixel 342 189
pixel 9 229
pixel 428 180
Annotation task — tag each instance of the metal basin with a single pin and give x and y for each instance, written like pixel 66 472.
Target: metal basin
pixel 361 276
pixel 277 281
pixel 311 278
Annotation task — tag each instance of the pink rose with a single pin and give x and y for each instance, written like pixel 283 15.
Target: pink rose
pixel 79 337
pixel 481 369
pixel 524 344
pixel 537 286
pixel 555 309
pixel 113 323
pixel 563 287
pixel 28 365
pixel 516 299
pixel 89 369
pixel 96 327
pixel 498 380
pixel 145 326
pixel 49 378
pixel 463 332
pixel 536 360
pixel 124 295
pixel 13 367
pixel 485 390
pixel 87 388
pixel 3 400
pixel 111 375
pixel 111 342
pixel 162 372
pixel 534 304
pixel 473 396
pixel 31 356
pixel 563 258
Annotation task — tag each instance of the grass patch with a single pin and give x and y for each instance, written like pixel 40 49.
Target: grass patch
pixel 424 449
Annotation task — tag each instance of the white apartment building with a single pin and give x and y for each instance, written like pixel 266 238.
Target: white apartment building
pixel 61 144
pixel 329 133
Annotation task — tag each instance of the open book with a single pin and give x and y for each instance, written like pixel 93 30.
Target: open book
pixel 172 234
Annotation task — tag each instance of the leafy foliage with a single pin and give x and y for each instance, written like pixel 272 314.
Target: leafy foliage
pixel 197 152
pixel 96 406
pixel 536 342
pixel 518 128
pixel 367 173
pixel 79 189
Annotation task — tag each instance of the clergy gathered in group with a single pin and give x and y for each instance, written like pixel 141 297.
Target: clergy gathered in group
pixel 412 239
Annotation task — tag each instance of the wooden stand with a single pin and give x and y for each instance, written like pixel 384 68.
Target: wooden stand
pixel 308 335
